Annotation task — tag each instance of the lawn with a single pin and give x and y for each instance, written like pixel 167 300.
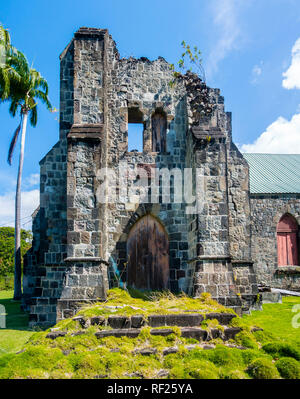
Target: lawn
pixel 269 354
pixel 16 333
pixel 277 318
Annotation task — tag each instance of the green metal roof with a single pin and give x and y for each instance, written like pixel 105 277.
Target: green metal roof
pixel 274 173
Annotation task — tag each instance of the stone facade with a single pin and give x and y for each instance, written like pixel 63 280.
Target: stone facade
pixel 266 210
pixel 80 242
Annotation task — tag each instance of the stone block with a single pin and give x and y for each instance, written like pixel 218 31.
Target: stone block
pixel 56 334
pixel 156 320
pixel 137 321
pixel 98 321
pixel 164 332
pixel 119 322
pixel 223 318
pixel 195 333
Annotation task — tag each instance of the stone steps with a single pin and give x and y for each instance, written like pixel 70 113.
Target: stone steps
pixel 197 333
pixel 156 320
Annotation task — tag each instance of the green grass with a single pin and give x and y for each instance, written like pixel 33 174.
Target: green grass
pixel 16 333
pixel 85 356
pixel 276 319
pixel 120 302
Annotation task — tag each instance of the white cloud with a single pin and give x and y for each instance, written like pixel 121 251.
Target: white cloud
pixel 256 73
pixel 30 201
pixel 292 75
pixel 226 20
pixel 281 137
pixel 32 180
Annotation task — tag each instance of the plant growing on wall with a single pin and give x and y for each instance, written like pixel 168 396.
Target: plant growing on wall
pixel 193 75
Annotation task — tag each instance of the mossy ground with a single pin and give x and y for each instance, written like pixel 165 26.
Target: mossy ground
pixel 85 356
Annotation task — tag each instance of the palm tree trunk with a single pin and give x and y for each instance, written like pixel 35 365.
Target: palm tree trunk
pixel 18 270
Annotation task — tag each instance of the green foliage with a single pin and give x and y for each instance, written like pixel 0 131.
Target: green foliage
pixel 7 282
pixel 37 358
pixel 246 339
pixel 288 368
pixel 190 61
pixel 85 356
pixel 235 375
pixel 122 302
pixel 275 319
pixel 281 349
pixel 263 369
pixel 202 369
pixel 7 245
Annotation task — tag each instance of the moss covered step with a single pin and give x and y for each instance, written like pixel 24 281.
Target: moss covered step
pixel 186 332
pixel 155 320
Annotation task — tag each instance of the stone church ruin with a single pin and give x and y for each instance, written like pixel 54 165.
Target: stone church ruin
pixel 83 245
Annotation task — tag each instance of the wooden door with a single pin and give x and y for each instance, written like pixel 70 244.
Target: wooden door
pixel 148 255
pixel 287 231
pixel 159 133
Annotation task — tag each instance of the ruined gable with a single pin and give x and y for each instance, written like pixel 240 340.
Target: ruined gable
pixel 90 222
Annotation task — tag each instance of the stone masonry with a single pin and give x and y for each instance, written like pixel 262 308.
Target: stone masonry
pixel 80 243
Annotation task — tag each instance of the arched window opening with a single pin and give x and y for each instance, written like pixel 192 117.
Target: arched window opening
pixel 135 130
pixel 287 241
pixel 159 132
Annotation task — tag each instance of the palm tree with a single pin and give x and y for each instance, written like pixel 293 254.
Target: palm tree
pixel 21 86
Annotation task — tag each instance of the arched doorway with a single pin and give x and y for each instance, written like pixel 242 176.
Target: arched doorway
pixel 287 236
pixel 148 255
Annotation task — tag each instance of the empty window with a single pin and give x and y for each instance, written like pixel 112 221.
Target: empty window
pixel 159 132
pixel 287 237
pixel 135 130
pixel 135 137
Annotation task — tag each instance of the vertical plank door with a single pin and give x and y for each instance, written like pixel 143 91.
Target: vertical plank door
pixel 148 255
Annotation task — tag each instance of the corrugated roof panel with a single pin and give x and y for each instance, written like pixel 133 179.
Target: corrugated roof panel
pixel 274 173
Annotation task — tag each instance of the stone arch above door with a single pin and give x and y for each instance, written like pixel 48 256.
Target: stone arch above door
pixel 148 255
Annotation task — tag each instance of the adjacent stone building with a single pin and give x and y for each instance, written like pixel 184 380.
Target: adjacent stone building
pixel 174 215
pixel 275 214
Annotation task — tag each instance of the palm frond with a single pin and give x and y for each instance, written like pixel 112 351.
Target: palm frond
pixel 33 116
pixel 13 107
pixel 4 83
pixel 13 142
pixel 4 36
pixel 43 97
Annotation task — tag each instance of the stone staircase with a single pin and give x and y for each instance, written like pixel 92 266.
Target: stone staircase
pixel 189 324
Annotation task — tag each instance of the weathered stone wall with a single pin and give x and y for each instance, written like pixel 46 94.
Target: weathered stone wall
pixel 77 283
pixel 239 206
pixel 144 85
pixel 81 236
pixel 266 211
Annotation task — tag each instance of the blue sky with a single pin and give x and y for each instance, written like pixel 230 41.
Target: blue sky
pixel 246 48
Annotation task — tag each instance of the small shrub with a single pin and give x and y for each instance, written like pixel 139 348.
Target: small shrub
pixel 235 375
pixel 222 356
pixel 245 338
pixel 249 355
pixel 288 368
pixel 202 369
pixel 171 361
pixel 178 372
pixel 263 369
pixel 279 349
